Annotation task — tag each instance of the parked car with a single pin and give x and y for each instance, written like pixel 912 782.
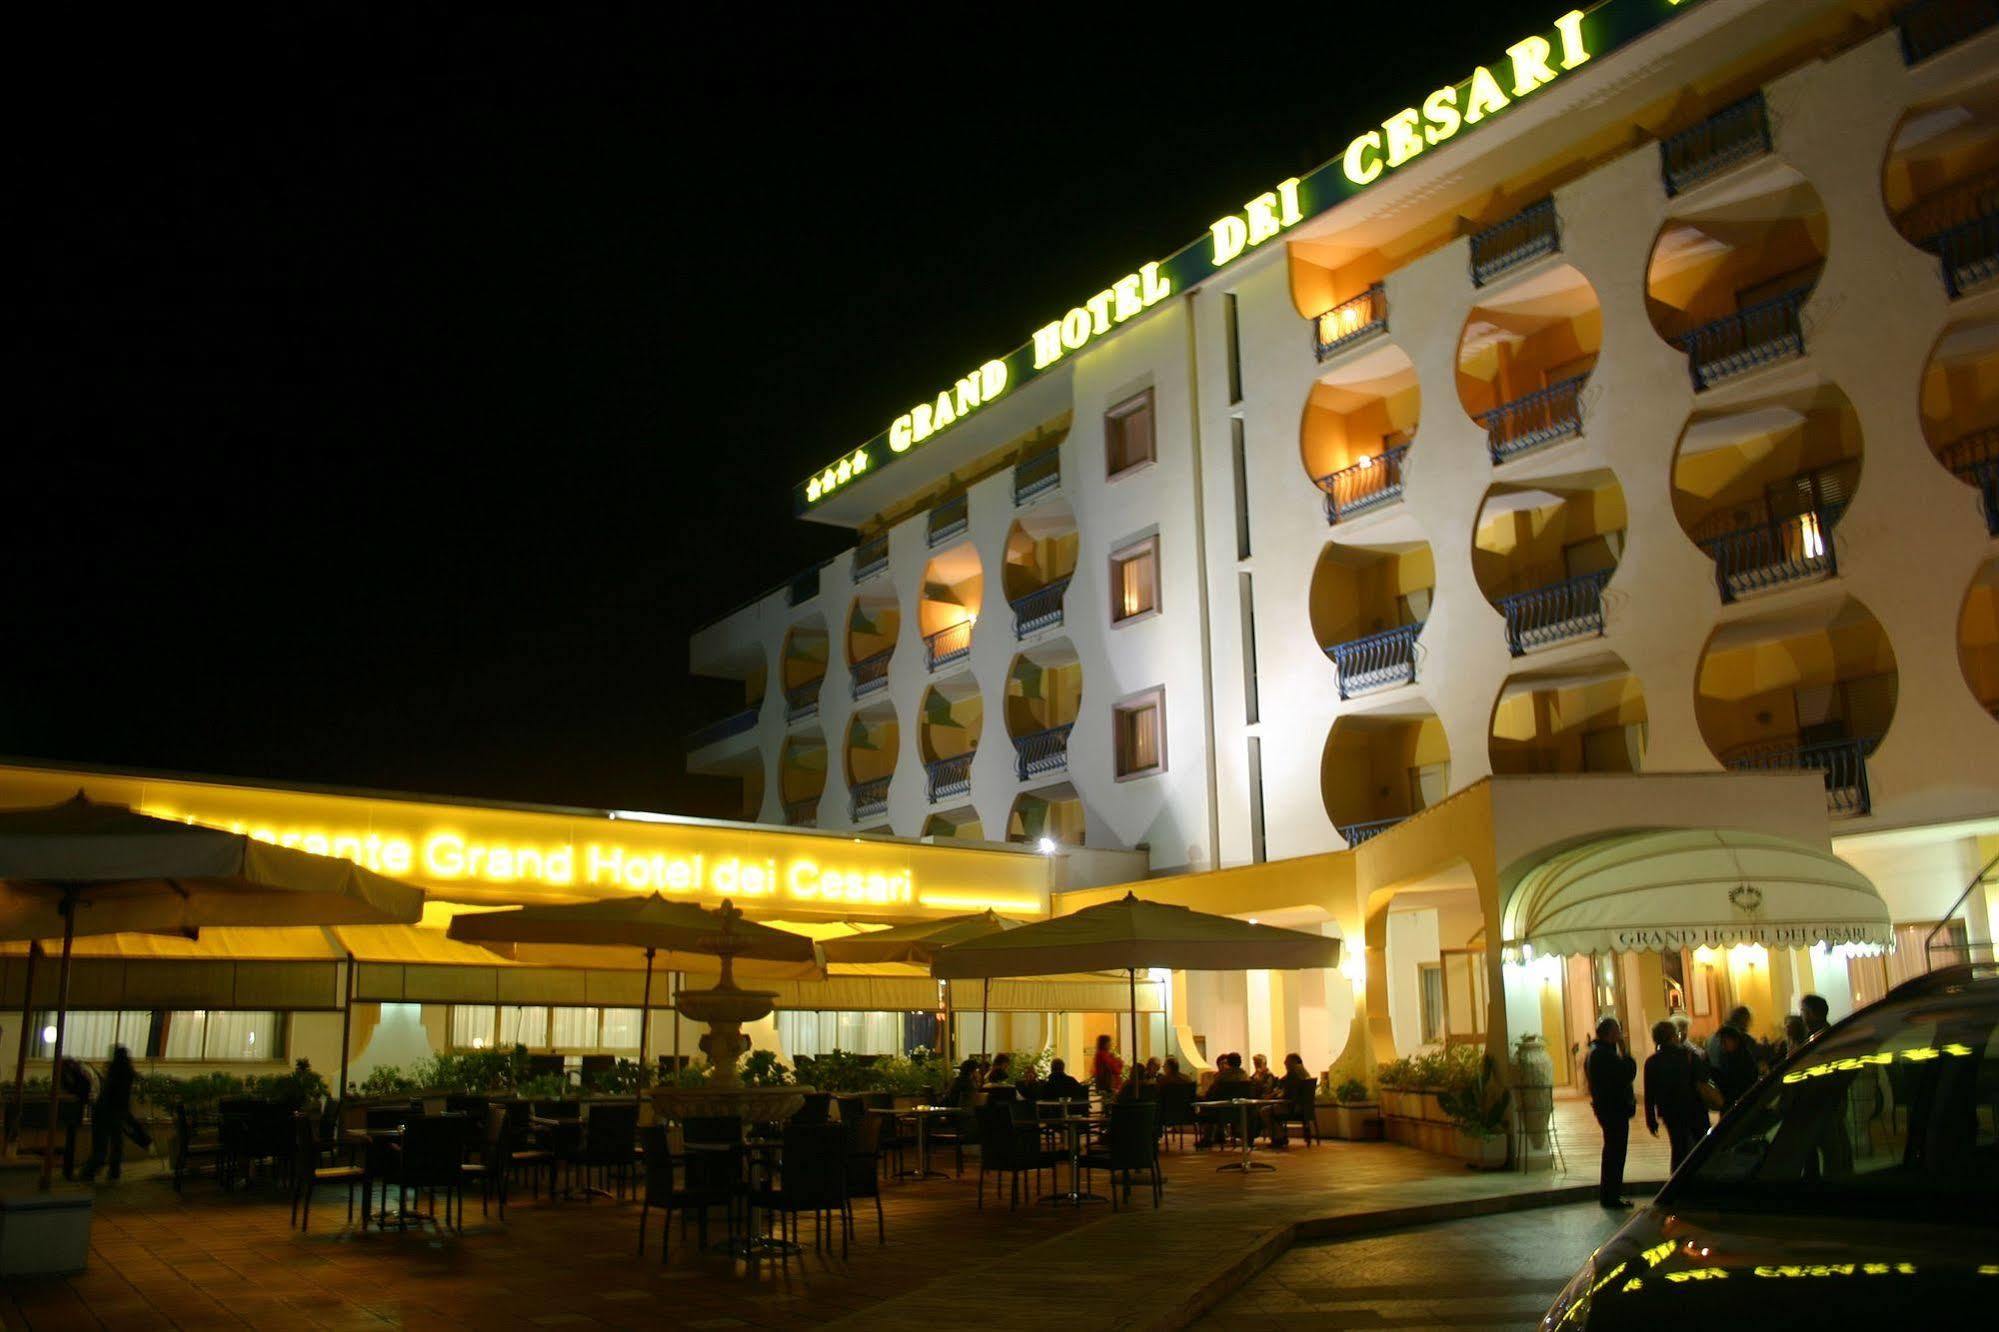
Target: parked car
pixel 1860 1177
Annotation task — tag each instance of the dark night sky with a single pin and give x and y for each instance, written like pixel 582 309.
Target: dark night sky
pixel 400 393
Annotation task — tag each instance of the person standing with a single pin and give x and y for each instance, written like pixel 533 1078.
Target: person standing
pixel 1816 1012
pixel 111 1118
pixel 75 1098
pixel 1611 1071
pixel 1673 1077
pixel 1735 1069
pixel 1106 1069
pixel 1738 1018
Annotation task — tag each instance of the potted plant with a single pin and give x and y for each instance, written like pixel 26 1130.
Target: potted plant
pixel 1351 1115
pixel 1477 1105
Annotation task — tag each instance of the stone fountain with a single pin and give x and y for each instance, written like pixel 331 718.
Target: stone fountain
pixel 725 1008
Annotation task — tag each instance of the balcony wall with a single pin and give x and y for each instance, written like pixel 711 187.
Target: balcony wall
pixel 1940 182
pixel 953 715
pixel 1531 537
pixel 1810 675
pixel 801 768
pixel 1978 637
pixel 1044 689
pixel 1585 721
pixel 1360 409
pixel 872 626
pixel 1525 337
pixel 1041 549
pixel 1378 768
pixel 873 740
pixel 1053 812
pixel 1358 593
pixel 805 654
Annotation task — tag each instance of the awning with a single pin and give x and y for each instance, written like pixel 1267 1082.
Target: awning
pixel 1662 891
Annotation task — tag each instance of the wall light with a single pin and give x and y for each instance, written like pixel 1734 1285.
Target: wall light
pixel 48 1035
pixel 1047 846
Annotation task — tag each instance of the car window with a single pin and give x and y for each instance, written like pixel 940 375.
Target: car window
pixel 1892 1113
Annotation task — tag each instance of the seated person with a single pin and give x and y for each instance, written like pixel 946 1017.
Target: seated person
pixel 1139 1086
pixel 1028 1084
pixel 1171 1076
pixel 1002 1068
pixel 1059 1086
pixel 964 1087
pixel 1260 1076
pixel 1292 1092
pixel 1229 1083
pixel 1152 1068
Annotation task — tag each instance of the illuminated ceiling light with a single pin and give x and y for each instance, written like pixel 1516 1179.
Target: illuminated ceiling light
pixel 48 1035
pixel 1047 845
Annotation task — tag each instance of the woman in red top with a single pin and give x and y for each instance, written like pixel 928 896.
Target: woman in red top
pixel 1106 1069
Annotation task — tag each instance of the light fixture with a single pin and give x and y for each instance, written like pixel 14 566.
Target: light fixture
pixel 1047 845
pixel 1252 920
pixel 478 1042
pixel 48 1035
pixel 253 1038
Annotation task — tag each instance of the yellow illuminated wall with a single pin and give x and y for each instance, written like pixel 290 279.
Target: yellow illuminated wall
pixel 1961 384
pixel 872 627
pixel 1592 727
pixel 1748 692
pixel 1978 637
pixel 1356 592
pixel 1367 769
pixel 1521 550
pixel 950 726
pixel 1373 400
pixel 1036 559
pixel 1704 268
pixel 1711 485
pixel 1507 353
pixel 805 652
pixel 873 739
pixel 1040 696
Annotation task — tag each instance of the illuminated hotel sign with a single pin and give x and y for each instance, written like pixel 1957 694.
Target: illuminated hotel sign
pixel 1529 65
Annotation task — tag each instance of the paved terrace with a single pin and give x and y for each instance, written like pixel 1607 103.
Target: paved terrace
pixel 209 1259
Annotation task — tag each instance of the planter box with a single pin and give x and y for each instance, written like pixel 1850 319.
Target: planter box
pixel 44 1234
pixel 1351 1121
pixel 1433 1108
pixel 1480 1153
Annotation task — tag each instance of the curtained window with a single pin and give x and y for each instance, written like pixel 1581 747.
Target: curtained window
pixel 811 1034
pixel 486 1026
pixel 91 1034
pixel 1128 436
pixel 1138 730
pixel 1135 580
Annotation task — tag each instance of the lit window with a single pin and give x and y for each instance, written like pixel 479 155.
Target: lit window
pixel 1135 580
pixel 1128 439
pixel 219 1036
pixel 1139 733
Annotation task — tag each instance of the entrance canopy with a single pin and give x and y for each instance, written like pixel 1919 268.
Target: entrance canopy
pixel 1661 891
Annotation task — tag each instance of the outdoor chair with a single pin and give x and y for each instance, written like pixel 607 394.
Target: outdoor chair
pixel 1299 1108
pixel 472 1107
pixel 496 1150
pixel 429 1157
pixel 1131 1145
pixel 863 1180
pixel 817 1109
pixel 524 1153
pixel 708 1180
pixel 1010 1146
pixel 893 1139
pixel 1176 1109
pixel 194 1144
pixel 609 1146
pixel 308 1174
pixel 811 1177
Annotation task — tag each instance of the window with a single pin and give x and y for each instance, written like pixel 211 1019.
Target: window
pixel 91 1035
pixel 1431 977
pixel 1128 433
pixel 501 1027
pixel 218 1036
pixel 1246 594
pixel 1233 330
pixel 1256 838
pixel 1135 580
pixel 1241 451
pixel 1139 733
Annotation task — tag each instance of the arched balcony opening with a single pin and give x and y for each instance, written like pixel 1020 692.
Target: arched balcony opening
pixel 1812 690
pixel 801 774
pixel 1960 410
pixel 1524 357
pixel 1940 184
pixel 1368 610
pixel 1377 770
pixel 1978 636
pixel 1588 717
pixel 1760 488
pixel 1048 814
pixel 1359 422
pixel 1044 692
pixel 1730 273
pixel 872 627
pixel 952 583
pixel 1544 553
pixel 959 824
pixel 1040 560
pixel 873 740
pixel 803 665
pixel 947 735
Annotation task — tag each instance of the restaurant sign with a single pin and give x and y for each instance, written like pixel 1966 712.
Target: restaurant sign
pixel 1524 68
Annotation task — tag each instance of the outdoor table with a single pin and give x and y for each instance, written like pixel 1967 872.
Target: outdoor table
pixel 559 1135
pixel 753 1153
pixel 1242 1104
pixel 1075 1124
pixel 922 1114
pixel 375 1143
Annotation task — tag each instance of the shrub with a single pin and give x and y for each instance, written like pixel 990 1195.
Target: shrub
pixel 761 1068
pixel 1351 1092
pixel 1472 1097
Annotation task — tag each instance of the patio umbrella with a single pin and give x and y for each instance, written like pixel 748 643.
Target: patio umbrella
pixel 916 943
pixel 82 867
pixel 680 934
pixel 1129 934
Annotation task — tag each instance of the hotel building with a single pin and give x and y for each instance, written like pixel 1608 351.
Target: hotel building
pixel 1586 479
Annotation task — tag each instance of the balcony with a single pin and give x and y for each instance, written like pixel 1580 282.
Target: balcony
pixel 1036 476
pixel 1756 336
pixel 950 776
pixel 1843 763
pixel 1525 424
pixel 1975 459
pixel 1572 608
pixel 802 700
pixel 1730 136
pixel 1367 484
pixel 948 645
pixel 871 673
pixel 802 813
pixel 734 724
pixel 1350 322
pixel 802 587
pixel 1378 661
pixel 1527 235
pixel 1356 833
pixel 868 799
pixel 949 519
pixel 1039 609
pixel 871 557
pixel 1968 253
pixel 1042 752
pixel 1775 552
pixel 1930 26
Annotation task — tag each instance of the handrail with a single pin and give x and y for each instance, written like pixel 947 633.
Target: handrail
pixel 1771 553
pixel 1042 751
pixel 950 776
pixel 1569 609
pixel 869 797
pixel 1843 762
pixel 802 813
pixel 1733 134
pixel 1360 486
pixel 871 556
pixel 1351 320
pixel 1036 475
pixel 1356 833
pixel 1376 661
pixel 1754 335
pixel 1039 609
pixel 733 724
pixel 1541 417
pixel 949 518
pixel 1528 234
pixel 1978 880
pixel 802 700
pixel 1968 253
pixel 871 672
pixel 1930 26
pixel 948 644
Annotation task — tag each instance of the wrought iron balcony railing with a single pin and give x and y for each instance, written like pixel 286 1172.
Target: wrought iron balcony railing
pixel 871 556
pixel 949 519
pixel 949 644
pixel 1517 427
pixel 1367 484
pixel 1733 134
pixel 1039 609
pixel 1042 752
pixel 1036 476
pixel 1930 26
pixel 950 776
pixel 1770 554
pixel 1975 458
pixel 1350 322
pixel 1757 335
pixel 802 813
pixel 1377 661
pixel 1572 608
pixel 1528 234
pixel 871 673
pixel 802 700
pixel 1968 253
pixel 1356 833
pixel 1844 763
pixel 869 798
pixel 734 724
